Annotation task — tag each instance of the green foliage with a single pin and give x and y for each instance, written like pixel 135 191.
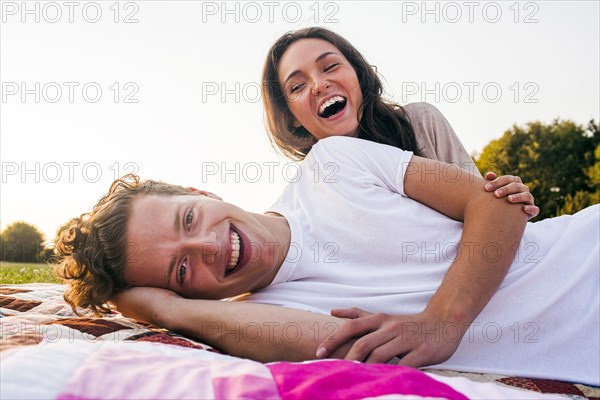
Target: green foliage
pixel 578 201
pixel 593 172
pixel 21 242
pixel 16 273
pixel 582 199
pixel 559 163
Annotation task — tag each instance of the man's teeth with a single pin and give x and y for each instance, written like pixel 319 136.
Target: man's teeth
pixel 329 102
pixel 235 250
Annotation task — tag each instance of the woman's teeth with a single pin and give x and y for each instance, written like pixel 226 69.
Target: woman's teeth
pixel 323 110
pixel 235 251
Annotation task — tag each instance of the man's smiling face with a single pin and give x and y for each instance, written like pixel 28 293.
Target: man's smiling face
pixel 198 247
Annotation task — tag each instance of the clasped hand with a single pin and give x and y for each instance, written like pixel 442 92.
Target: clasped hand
pixel 514 190
pixel 417 340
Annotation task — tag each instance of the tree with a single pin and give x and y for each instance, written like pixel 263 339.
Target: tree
pixel 21 242
pixel 556 161
pixel 581 198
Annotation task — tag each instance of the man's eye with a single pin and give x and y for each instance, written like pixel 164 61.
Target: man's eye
pixel 189 218
pixel 182 269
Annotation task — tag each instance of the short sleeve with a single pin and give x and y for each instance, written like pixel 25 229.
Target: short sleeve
pixel 362 161
pixel 436 138
pixel 273 297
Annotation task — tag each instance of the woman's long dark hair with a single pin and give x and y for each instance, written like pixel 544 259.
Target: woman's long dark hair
pixel 381 121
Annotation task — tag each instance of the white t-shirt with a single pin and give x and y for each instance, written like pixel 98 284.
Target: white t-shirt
pixel 359 241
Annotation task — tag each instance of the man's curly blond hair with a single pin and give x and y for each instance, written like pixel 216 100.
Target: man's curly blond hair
pixel 92 250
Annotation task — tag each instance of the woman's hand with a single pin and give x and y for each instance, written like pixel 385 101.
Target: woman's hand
pixel 145 304
pixel 515 189
pixel 417 340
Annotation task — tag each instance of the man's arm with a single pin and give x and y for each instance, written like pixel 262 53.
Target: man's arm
pixel 491 234
pixel 258 331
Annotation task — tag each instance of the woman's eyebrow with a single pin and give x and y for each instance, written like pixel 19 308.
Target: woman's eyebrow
pixel 322 56
pixel 319 58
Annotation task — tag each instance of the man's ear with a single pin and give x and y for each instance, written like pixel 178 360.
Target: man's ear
pixel 205 193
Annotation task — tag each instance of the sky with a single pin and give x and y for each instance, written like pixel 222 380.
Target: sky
pixel 170 89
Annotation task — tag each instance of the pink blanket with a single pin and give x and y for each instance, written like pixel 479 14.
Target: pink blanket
pixel 48 352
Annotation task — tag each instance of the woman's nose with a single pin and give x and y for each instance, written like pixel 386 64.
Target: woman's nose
pixel 315 89
pixel 320 87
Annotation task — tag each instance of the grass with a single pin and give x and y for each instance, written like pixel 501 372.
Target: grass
pixel 14 273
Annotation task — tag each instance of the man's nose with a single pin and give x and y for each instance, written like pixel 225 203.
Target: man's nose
pixel 206 246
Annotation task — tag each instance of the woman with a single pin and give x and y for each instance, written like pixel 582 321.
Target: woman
pixel 315 84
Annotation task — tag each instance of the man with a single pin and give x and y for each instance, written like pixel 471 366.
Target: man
pixel 365 224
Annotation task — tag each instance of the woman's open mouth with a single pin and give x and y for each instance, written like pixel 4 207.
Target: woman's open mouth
pixel 332 107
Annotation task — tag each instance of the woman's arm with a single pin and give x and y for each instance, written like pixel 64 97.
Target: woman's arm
pixel 258 331
pixel 491 234
pixel 435 137
pixel 437 140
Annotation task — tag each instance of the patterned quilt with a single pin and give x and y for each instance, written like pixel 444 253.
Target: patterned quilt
pixel 46 351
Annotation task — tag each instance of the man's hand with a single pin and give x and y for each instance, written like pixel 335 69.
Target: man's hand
pixel 144 303
pixel 417 340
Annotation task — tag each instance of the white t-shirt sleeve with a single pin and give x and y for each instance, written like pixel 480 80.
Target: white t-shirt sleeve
pixel 373 163
pixel 266 298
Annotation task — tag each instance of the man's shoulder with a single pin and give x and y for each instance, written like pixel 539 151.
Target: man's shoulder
pixel 334 145
pixel 346 142
pixel 354 153
pixel 340 148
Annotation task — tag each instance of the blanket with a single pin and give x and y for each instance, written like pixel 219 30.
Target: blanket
pixel 46 351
